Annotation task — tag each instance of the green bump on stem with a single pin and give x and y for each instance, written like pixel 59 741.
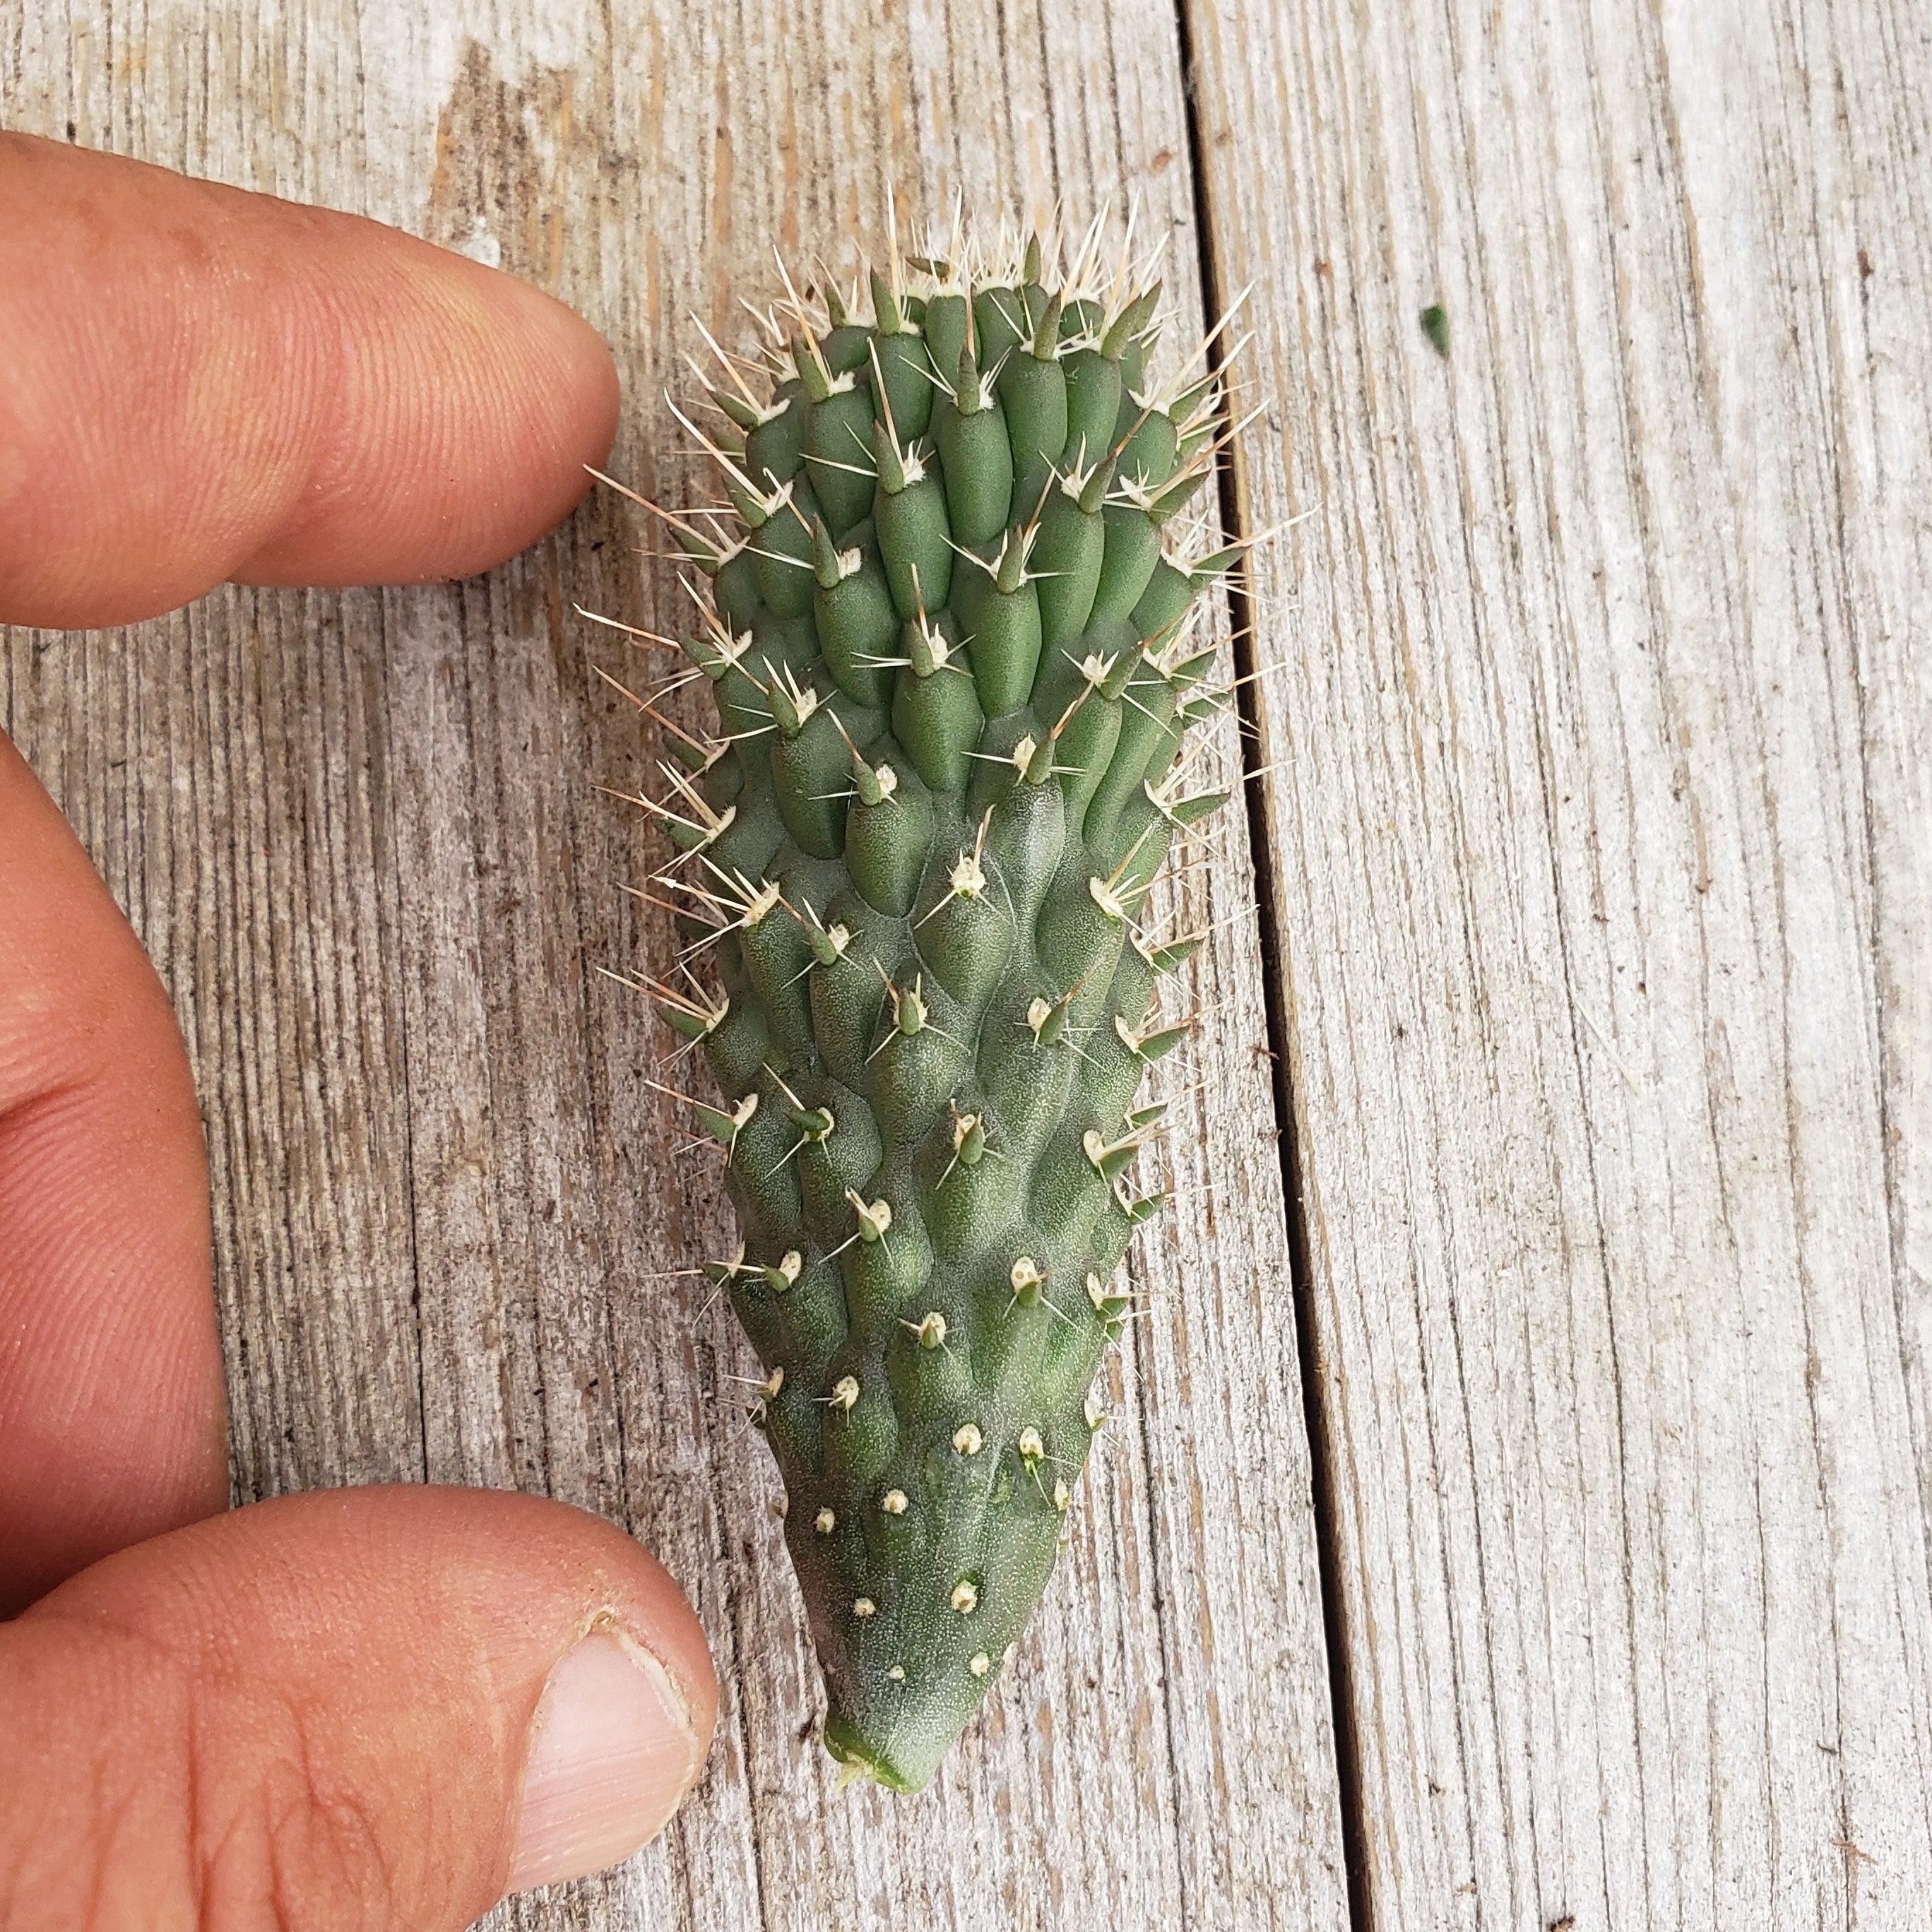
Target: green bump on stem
pixel 975 456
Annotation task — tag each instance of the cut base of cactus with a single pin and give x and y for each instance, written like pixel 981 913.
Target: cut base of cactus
pixel 907 1765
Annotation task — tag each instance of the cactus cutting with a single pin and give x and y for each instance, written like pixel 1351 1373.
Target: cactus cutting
pixel 950 621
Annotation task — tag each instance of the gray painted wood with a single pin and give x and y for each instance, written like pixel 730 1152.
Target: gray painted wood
pixel 1597 673
pixel 359 832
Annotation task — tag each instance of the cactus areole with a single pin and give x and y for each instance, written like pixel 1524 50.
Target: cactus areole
pixel 948 625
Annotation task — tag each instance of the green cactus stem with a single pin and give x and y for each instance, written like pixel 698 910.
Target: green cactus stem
pixel 949 633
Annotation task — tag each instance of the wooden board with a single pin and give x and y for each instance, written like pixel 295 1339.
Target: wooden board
pixel 359 833
pixel 1596 668
pixel 1596 866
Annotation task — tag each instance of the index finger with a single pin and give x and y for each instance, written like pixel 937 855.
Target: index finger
pixel 204 384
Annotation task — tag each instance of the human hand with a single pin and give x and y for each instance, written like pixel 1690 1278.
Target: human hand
pixel 375 1709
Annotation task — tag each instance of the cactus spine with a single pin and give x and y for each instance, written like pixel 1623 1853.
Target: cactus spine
pixel 954 667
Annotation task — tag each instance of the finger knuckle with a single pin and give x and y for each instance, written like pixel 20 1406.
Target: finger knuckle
pixel 278 1835
pixel 153 1787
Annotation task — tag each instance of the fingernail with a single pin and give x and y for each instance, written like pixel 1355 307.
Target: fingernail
pixel 611 1753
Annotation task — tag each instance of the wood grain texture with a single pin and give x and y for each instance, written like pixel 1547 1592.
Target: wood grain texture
pixel 359 834
pixel 1596 670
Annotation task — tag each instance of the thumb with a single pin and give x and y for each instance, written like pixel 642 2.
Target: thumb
pixel 375 1709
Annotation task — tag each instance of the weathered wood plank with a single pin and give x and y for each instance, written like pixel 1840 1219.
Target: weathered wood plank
pixel 360 832
pixel 1606 908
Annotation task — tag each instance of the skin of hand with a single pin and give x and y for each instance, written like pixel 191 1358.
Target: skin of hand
pixel 372 1709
